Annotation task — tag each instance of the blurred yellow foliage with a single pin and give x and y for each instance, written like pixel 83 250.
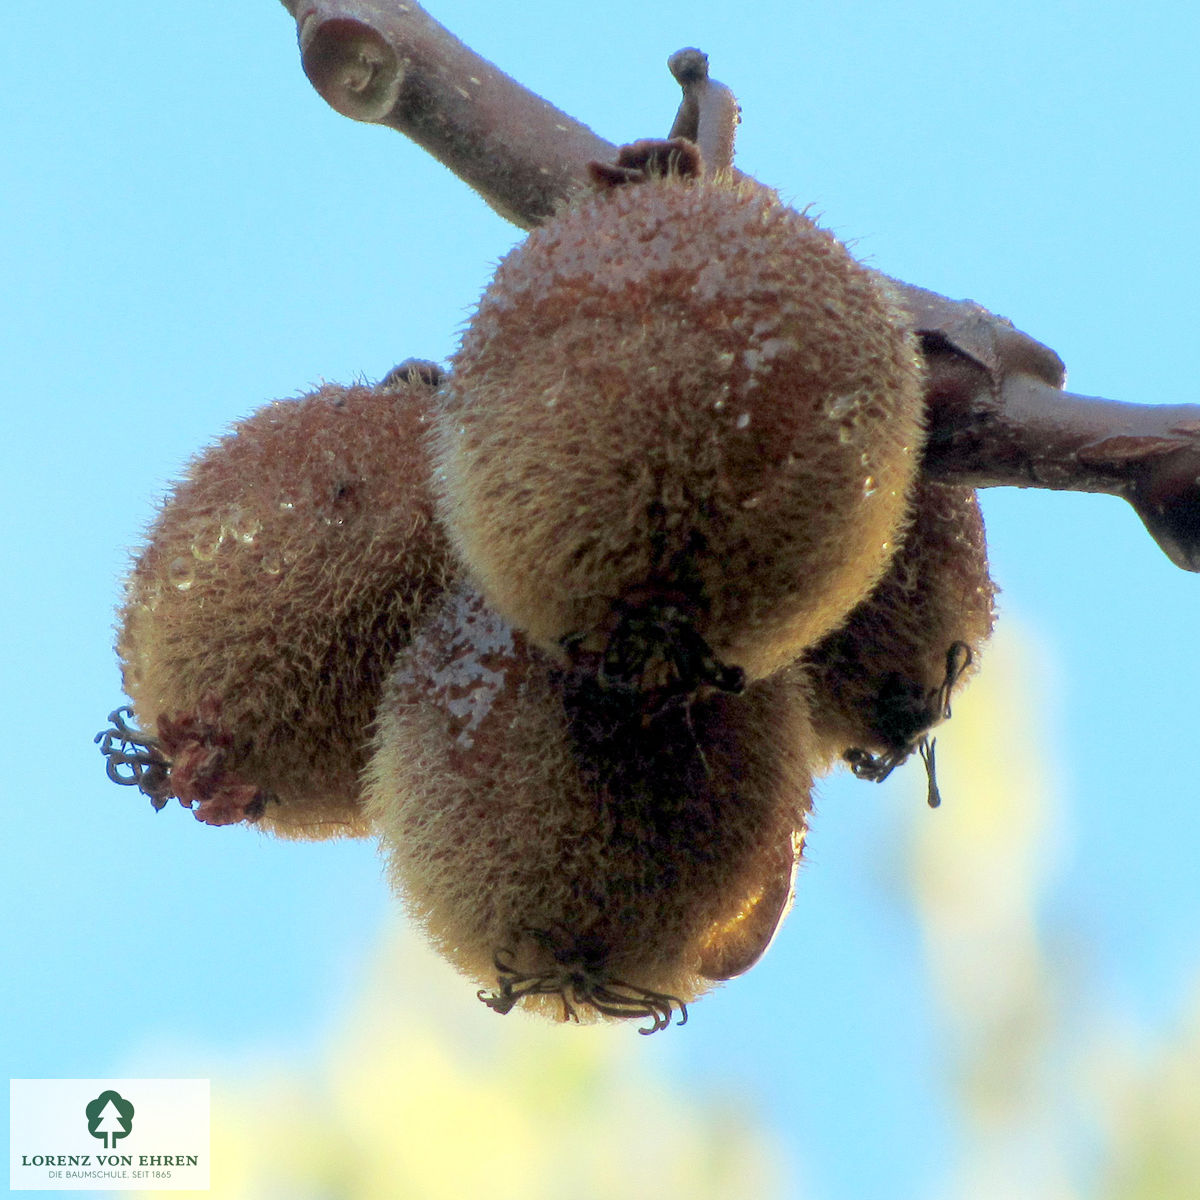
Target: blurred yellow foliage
pixel 1051 1104
pixel 1150 1105
pixel 424 1094
pixel 977 870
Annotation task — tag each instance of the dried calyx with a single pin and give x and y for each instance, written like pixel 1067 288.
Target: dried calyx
pixel 579 978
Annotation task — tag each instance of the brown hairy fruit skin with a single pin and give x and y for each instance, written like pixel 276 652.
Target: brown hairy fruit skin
pixel 681 397
pixel 568 851
pixel 275 589
pixel 884 679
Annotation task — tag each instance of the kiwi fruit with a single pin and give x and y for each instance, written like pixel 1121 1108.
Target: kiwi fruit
pixel 565 848
pixel 680 431
pixel 274 590
pixel 884 678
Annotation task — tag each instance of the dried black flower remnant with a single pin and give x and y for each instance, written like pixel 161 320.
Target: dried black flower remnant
pixel 884 679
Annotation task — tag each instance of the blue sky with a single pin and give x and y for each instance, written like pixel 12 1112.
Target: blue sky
pixel 187 231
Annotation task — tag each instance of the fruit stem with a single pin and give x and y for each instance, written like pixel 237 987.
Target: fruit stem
pixel 708 114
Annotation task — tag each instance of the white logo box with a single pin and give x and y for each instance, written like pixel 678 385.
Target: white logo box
pixel 52 1149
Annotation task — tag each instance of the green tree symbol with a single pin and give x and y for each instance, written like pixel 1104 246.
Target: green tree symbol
pixel 109 1116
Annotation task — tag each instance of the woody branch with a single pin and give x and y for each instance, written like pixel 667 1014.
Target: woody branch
pixel 998 416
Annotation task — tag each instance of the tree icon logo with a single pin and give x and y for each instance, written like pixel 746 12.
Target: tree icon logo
pixel 109 1116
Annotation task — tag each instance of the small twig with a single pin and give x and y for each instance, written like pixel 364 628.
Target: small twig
pixel 708 114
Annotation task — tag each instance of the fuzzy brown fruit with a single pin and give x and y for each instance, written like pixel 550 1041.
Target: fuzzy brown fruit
pixel 683 409
pixel 569 851
pixel 276 586
pixel 884 679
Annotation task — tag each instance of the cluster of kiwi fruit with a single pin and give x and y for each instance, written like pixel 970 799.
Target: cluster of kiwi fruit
pixel 572 627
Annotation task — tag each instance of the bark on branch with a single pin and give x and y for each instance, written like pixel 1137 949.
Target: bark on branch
pixel 997 414
pixel 389 62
